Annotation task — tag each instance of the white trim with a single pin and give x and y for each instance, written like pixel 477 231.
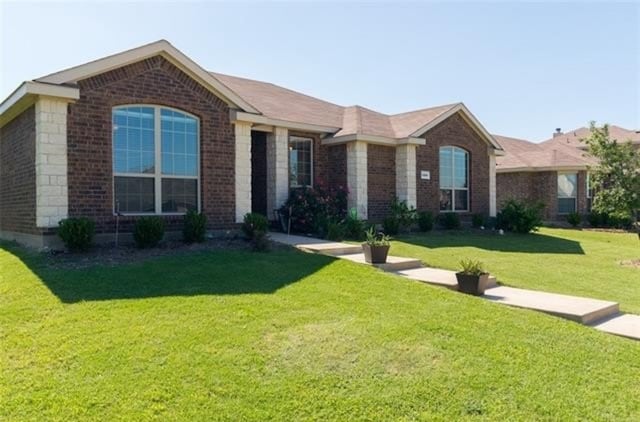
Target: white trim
pixel 258 119
pixel 162 48
pixel 296 138
pixel 373 139
pixel 26 94
pixel 157 175
pixel 493 209
pixel 464 112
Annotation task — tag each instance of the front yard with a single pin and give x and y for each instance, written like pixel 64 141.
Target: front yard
pixel 574 262
pixel 236 335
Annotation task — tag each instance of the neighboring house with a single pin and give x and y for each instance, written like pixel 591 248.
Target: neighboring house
pixel 554 172
pixel 150 132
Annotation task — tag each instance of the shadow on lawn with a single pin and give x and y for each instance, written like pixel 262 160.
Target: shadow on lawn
pixel 509 242
pixel 202 273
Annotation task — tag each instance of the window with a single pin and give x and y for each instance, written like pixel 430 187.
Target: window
pixel 454 179
pixel 567 192
pixel 155 160
pixel 300 162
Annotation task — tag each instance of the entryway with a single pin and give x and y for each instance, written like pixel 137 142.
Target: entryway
pixel 259 172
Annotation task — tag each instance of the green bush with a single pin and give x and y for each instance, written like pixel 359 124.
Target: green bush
pixel 336 231
pixel 195 227
pixel 148 231
pixel 425 221
pixel 403 213
pixel 598 219
pixel 450 220
pixel 77 233
pixel 309 210
pixel 391 225
pixel 354 227
pixel 574 219
pixel 252 223
pixel 604 220
pixel 260 241
pixel 520 216
pixel 477 221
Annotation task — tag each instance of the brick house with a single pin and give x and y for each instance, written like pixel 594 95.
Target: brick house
pixel 150 132
pixel 554 172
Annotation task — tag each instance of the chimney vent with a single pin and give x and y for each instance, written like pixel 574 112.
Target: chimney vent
pixel 558 132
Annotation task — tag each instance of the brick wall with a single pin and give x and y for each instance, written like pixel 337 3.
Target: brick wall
pixel 18 174
pixel 453 131
pixel 381 180
pixel 336 165
pixel 151 81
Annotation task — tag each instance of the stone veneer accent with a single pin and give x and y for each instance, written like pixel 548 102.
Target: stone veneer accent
pixel 51 162
pixel 277 169
pixel 492 184
pixel 243 169
pixel 357 177
pixel 406 174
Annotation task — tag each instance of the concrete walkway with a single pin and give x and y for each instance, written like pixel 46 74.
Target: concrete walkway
pixel 600 314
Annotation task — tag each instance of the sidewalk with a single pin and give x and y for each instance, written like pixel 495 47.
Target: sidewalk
pixel 599 314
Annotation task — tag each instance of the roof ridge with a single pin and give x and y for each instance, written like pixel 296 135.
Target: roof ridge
pixel 425 109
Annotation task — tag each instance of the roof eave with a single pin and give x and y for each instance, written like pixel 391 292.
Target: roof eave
pixel 28 92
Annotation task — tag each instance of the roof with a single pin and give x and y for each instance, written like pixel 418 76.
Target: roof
pixel 522 155
pixel 574 138
pixel 269 104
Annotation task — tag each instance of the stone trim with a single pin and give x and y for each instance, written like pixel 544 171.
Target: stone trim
pixel 243 169
pixel 406 174
pixel 52 198
pixel 277 169
pixel 357 177
pixel 492 185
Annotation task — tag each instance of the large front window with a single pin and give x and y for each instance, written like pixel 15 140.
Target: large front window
pixel 454 179
pixel 155 160
pixel 567 192
pixel 300 162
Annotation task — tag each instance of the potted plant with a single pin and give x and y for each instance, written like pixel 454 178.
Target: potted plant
pixel 376 247
pixel 473 279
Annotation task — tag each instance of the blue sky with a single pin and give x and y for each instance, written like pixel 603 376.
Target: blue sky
pixel 522 68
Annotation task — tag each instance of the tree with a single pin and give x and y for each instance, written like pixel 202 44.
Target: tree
pixel 616 178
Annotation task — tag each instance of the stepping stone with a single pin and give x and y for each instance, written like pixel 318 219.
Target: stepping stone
pixel 580 309
pixel 394 263
pixel 626 325
pixel 438 277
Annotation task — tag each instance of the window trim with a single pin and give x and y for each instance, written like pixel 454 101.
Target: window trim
pixel 453 188
pixel 575 198
pixel 297 138
pixel 157 174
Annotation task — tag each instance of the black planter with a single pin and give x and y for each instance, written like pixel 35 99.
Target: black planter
pixel 472 284
pixel 375 254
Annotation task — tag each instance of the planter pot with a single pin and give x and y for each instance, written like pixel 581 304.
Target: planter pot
pixel 375 254
pixel 472 284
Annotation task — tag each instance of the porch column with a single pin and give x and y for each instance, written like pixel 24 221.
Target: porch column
pixel 243 169
pixel 277 169
pixel 357 177
pixel 52 203
pixel 406 174
pixel 492 185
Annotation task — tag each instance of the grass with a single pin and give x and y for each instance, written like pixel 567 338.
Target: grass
pixel 574 262
pixel 289 336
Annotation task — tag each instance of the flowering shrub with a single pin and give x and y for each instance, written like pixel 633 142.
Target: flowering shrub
pixel 312 209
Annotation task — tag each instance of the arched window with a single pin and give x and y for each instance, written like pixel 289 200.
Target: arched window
pixel 155 160
pixel 454 179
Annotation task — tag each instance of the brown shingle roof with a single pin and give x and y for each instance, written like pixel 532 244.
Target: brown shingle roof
pixel 574 138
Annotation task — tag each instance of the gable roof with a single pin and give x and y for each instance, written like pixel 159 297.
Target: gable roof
pixel 574 138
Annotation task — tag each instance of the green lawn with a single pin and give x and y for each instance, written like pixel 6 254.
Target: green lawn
pixel 581 263
pixel 289 336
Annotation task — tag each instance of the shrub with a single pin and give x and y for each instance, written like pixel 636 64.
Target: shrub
pixel 336 231
pixel 148 231
pixel 450 220
pixel 477 221
pixel 77 233
pixel 310 209
pixel 574 219
pixel 195 227
pixel 254 222
pixel 425 221
pixel 260 241
pixel 598 219
pixel 391 225
pixel 353 226
pixel 520 217
pixel 403 213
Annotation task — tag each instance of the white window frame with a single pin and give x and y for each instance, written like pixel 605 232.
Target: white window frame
pixel 157 175
pixel 575 198
pixel 453 172
pixel 300 139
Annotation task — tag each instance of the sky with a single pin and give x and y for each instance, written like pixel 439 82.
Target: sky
pixel 523 69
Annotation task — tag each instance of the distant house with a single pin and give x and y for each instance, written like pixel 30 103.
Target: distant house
pixel 150 132
pixel 554 172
